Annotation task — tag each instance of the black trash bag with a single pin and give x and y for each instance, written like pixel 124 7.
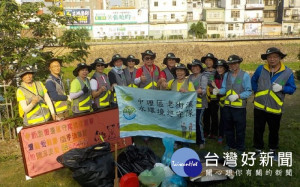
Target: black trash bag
pixel 136 159
pixel 91 166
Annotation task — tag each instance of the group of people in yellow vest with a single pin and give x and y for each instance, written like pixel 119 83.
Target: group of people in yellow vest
pixel 220 85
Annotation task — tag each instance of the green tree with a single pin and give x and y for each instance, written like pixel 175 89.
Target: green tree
pixel 24 33
pixel 197 29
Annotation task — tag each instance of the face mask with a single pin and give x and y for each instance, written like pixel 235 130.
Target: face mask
pixel 118 68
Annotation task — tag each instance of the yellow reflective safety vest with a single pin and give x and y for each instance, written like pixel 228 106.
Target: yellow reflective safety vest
pixel 40 112
pixel 198 81
pixel 59 106
pixel 103 100
pixel 235 88
pixel 84 102
pixel 222 100
pixel 151 82
pixel 130 77
pixel 185 85
pixel 267 100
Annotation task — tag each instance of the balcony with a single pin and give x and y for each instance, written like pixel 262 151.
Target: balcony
pixel 254 20
pixel 254 6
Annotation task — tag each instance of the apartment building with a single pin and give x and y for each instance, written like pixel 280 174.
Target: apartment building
pixel 234 17
pixel 167 17
pixel 253 17
pixel 291 16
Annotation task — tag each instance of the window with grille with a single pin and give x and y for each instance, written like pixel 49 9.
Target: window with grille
pixel 235 14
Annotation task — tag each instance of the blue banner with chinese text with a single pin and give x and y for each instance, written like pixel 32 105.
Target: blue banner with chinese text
pixel 157 113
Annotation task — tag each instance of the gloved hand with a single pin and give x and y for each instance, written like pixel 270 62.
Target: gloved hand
pixel 233 97
pixel 216 91
pixel 276 87
pixel 85 89
pixel 69 98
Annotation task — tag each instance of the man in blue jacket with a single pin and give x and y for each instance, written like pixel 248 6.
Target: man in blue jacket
pixel 270 83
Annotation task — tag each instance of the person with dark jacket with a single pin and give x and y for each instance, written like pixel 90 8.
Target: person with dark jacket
pixel 56 89
pixel 210 116
pixel 221 67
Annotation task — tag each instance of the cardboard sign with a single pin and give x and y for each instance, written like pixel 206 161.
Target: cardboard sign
pixel 42 144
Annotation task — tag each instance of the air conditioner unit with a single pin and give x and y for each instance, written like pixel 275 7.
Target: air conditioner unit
pixel 237 25
pixel 235 6
pixel 234 19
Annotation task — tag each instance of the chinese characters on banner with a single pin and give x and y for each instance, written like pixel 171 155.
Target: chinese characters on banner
pixel 125 16
pixel 42 144
pixel 83 15
pixel 154 113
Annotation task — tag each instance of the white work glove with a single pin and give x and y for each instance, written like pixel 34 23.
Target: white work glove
pixel 216 91
pixel 69 98
pixel 233 97
pixel 276 87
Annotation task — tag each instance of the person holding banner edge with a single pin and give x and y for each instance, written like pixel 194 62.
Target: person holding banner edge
pixel 35 105
pixel 116 75
pixel 170 61
pixel 80 91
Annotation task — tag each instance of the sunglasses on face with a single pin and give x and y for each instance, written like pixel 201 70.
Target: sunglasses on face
pixel 100 65
pixel 149 58
pixel 130 61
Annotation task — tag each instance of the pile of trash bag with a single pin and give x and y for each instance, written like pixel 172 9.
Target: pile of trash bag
pixel 91 166
pixel 137 159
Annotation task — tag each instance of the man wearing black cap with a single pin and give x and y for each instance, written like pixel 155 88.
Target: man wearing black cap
pixel 148 75
pixel 56 89
pixel 270 83
pixel 237 87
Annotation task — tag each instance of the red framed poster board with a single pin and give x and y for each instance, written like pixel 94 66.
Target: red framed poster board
pixel 42 144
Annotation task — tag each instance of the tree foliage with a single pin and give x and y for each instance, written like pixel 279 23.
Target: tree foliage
pixel 197 29
pixel 24 33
